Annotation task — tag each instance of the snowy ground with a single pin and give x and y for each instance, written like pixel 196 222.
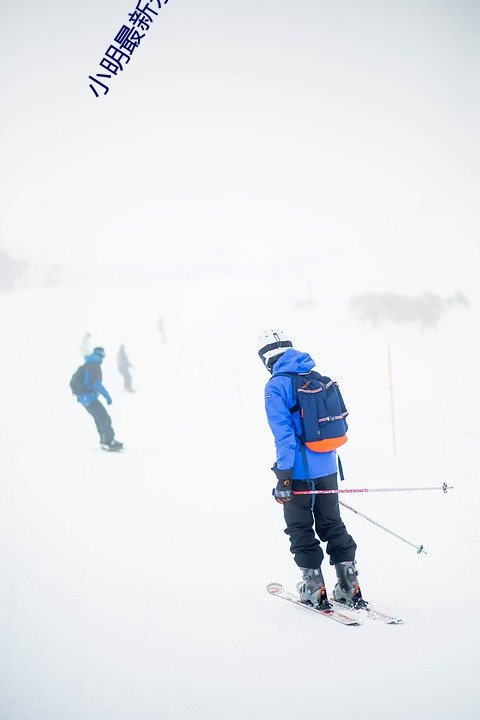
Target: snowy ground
pixel 133 585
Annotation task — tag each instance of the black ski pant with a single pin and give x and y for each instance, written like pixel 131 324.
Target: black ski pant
pixel 102 421
pixel 310 517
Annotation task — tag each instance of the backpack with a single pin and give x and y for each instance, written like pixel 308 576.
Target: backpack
pixel 78 378
pixel 322 411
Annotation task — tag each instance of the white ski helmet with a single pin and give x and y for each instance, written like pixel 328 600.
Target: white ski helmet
pixel 271 344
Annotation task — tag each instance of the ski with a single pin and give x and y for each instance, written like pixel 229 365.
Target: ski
pixel 336 613
pixel 371 613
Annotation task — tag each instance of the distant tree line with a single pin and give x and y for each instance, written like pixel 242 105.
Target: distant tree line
pixel 11 270
pixel 426 309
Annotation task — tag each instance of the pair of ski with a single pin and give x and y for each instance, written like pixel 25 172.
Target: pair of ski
pixel 339 613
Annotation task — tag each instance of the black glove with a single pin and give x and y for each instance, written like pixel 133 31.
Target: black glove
pixel 283 492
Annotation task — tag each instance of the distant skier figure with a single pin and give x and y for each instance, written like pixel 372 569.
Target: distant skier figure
pixel 124 368
pixel 304 466
pixel 87 385
pixel 161 329
pixel 85 345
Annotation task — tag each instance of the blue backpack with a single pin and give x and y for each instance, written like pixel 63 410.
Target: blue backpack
pixel 322 411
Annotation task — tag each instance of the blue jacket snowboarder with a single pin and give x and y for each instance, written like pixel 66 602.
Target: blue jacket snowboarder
pixel 88 397
pixel 309 518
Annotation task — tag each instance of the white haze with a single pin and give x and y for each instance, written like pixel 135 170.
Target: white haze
pixel 239 131
pixel 255 165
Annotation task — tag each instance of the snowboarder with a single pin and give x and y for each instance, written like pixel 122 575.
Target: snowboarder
pixel 123 364
pixel 88 397
pixel 308 518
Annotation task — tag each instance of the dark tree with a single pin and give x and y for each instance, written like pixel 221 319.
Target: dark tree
pixel 426 309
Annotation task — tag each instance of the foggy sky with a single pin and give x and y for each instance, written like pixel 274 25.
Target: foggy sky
pixel 242 130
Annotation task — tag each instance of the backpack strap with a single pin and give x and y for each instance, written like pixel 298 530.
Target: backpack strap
pixel 304 458
pixel 293 377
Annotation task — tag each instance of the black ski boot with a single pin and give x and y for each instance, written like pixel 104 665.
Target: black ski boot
pixel 312 589
pixel 347 590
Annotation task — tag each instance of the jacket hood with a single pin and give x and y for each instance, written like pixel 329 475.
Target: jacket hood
pixel 93 358
pixel 293 361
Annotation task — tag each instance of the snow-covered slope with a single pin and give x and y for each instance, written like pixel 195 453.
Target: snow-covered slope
pixel 132 585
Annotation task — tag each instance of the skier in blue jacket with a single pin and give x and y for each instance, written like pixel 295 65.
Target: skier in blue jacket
pixel 93 387
pixel 309 518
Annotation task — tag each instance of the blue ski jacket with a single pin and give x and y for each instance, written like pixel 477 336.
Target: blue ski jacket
pixel 93 381
pixel 285 426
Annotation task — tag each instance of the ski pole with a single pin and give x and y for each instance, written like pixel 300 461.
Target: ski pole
pixel 443 487
pixel 419 548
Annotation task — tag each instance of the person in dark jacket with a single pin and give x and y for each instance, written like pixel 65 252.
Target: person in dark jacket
pixel 124 366
pixel 309 518
pixel 93 387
